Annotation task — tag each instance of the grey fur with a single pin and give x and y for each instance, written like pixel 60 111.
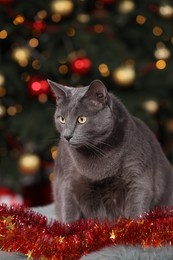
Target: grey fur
pixel 131 253
pixel 112 165
pixel 11 256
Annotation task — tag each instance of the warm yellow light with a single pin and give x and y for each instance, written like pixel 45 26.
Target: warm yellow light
pixel 161 64
pixel 161 51
pixel 104 70
pixel 63 69
pixel 62 7
pixel 54 152
pixel 2 111
pixel 33 42
pixel 11 111
pixel 56 18
pixel 42 14
pixel 2 79
pixel 42 98
pixel 98 28
pixel 124 75
pixel 3 34
pixel 19 19
pixel 71 32
pixel 157 31
pixel 166 11
pixel 126 6
pixel 151 106
pixel 36 64
pixel 83 18
pixel 2 91
pixel 51 177
pixel 140 19
pixel 21 54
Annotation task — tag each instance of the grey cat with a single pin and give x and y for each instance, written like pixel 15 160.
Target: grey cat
pixel 109 163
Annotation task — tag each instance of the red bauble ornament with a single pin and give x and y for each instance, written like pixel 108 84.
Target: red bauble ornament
pixel 38 85
pixel 6 2
pixel 39 26
pixel 81 65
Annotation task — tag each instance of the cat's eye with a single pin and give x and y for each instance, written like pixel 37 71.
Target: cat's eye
pixel 81 119
pixel 61 119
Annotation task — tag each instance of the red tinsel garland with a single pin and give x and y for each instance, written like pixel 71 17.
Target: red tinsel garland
pixel 23 230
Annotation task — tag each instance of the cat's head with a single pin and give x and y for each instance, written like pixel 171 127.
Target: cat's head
pixel 83 116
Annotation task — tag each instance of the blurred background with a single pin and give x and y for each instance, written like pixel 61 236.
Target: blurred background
pixel 128 44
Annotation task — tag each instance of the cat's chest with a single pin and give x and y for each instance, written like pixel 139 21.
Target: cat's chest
pixel 98 198
pixel 96 167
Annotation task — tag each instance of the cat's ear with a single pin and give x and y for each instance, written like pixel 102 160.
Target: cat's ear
pixel 97 92
pixel 59 90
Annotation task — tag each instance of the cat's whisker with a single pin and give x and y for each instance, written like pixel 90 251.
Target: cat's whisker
pixel 54 139
pixel 95 148
pixel 93 151
pixel 106 144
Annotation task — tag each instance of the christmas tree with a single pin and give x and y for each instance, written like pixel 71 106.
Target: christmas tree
pixel 125 43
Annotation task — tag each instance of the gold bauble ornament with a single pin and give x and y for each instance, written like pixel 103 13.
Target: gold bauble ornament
pixel 62 7
pixel 126 6
pixel 124 75
pixel 29 163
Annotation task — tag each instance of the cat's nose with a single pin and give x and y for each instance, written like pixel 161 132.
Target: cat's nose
pixel 68 137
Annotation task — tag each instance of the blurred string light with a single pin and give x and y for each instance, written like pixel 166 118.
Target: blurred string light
pixel 21 55
pixel 161 51
pixel 140 19
pixel 83 18
pixel 161 64
pixel 62 7
pixel 126 6
pixel 63 69
pixel 125 74
pixel 3 34
pixel 2 111
pixel 71 31
pixel 54 151
pixel 13 110
pixel 166 10
pixel 98 28
pixel 36 64
pixel 42 14
pixel 19 19
pixel 104 70
pixel 2 79
pixel 157 31
pixel 33 42
pixel 151 106
pixel 2 91
pixel 56 18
